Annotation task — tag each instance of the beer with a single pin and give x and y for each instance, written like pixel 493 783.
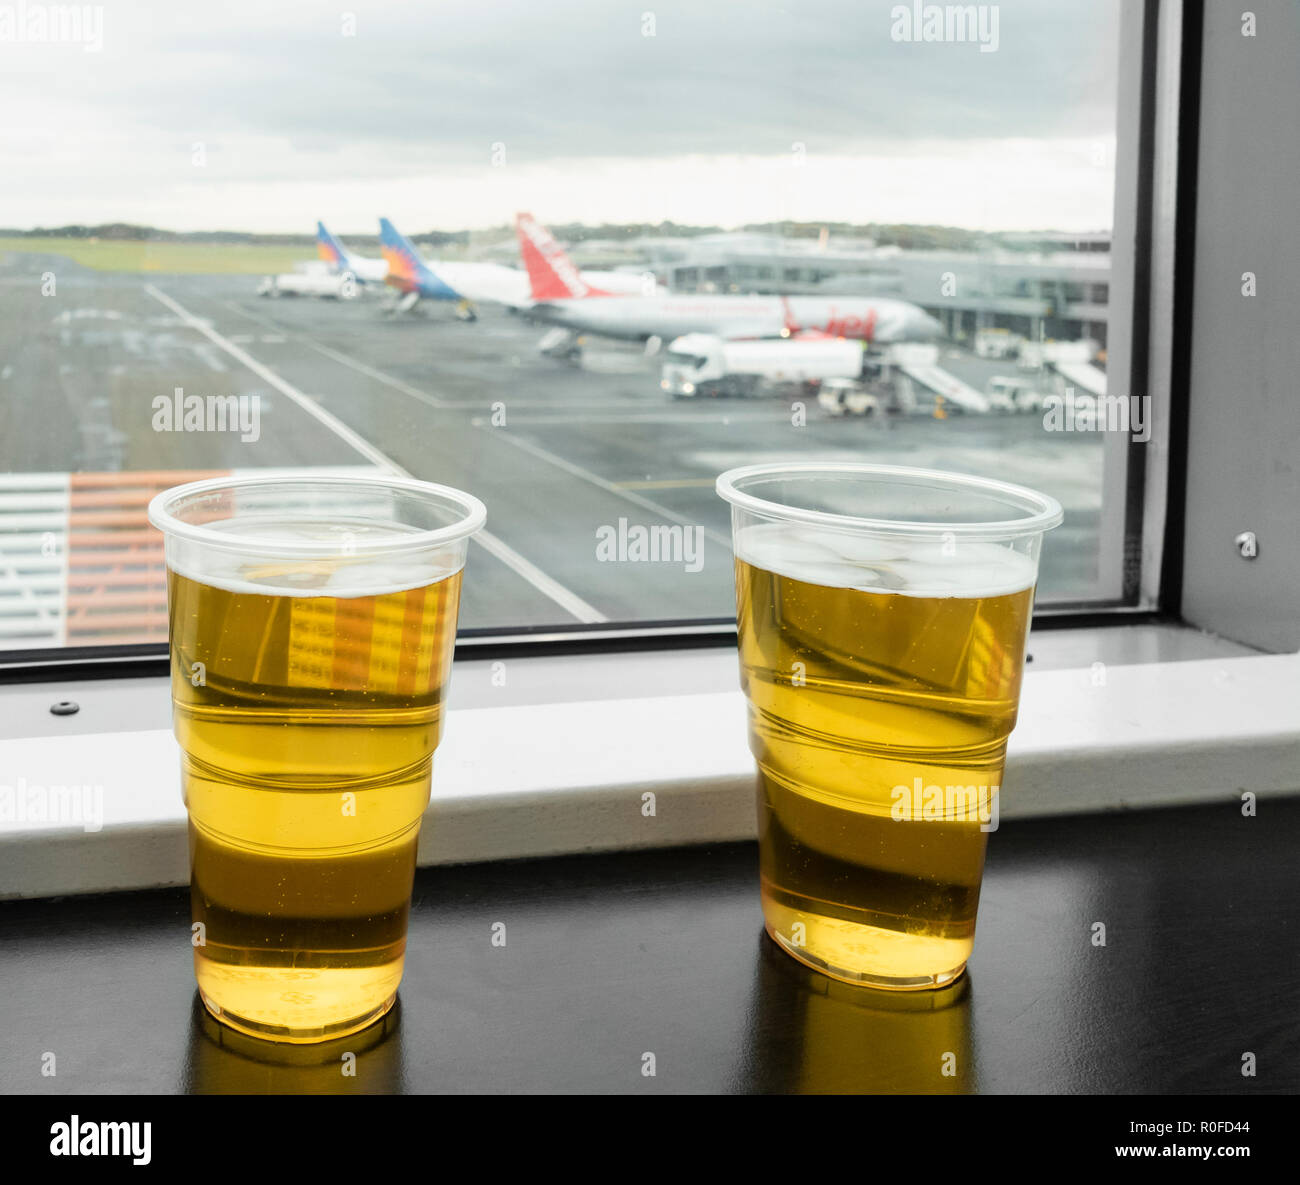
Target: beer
pixel 312 624
pixel 308 746
pixel 883 679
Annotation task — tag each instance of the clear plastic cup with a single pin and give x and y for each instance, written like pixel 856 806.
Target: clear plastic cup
pixel 311 622
pixel 882 615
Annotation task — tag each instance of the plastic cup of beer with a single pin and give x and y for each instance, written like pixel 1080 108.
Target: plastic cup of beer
pixel 882 616
pixel 312 620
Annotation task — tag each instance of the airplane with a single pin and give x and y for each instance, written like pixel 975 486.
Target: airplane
pixel 468 283
pixel 567 299
pixel 340 259
pixel 417 281
pixel 607 283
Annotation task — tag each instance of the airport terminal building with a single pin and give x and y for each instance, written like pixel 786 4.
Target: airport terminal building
pixel 1054 287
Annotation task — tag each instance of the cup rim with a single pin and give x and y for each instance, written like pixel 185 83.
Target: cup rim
pixel 162 517
pixel 1045 511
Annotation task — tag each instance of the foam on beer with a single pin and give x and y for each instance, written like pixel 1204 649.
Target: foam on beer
pixel 908 567
pixel 341 570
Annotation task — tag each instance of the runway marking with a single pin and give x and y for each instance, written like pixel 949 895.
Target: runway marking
pixel 596 404
pixel 601 412
pixel 378 375
pixel 609 487
pixel 553 459
pixel 672 483
pixel 267 375
pixel 346 359
pixel 651 417
pixel 568 600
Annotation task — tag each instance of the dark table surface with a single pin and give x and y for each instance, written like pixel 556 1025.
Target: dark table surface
pixel 611 957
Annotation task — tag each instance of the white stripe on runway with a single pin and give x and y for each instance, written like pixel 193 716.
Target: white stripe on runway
pixel 568 600
pixel 605 416
pixel 609 487
pixel 378 375
pixel 267 375
pixel 346 359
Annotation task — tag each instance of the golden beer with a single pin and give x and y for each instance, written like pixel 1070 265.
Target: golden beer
pixel 308 695
pixel 853 694
pixel 883 678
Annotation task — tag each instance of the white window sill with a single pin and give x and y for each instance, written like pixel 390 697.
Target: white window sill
pixel 538 778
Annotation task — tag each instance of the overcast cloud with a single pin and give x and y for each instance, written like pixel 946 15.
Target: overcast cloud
pixel 598 122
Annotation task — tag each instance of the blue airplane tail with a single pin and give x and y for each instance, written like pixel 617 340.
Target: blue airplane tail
pixel 331 250
pixel 407 270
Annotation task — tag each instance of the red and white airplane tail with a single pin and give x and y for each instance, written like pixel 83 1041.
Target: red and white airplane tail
pixel 551 273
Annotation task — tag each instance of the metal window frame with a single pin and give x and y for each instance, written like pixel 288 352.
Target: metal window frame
pixel 1148 186
pixel 1240 355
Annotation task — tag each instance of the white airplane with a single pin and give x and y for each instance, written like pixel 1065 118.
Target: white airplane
pixel 467 283
pixel 337 277
pixel 566 298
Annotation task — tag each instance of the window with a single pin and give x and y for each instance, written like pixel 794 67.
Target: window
pixel 171 309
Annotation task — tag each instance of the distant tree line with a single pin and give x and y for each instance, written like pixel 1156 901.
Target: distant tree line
pixel 905 235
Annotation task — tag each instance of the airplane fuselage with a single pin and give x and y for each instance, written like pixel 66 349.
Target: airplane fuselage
pixel 639 318
pixel 493 282
pixel 368 271
pixel 466 281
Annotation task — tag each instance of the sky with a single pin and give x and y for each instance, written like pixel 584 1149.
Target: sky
pixel 266 116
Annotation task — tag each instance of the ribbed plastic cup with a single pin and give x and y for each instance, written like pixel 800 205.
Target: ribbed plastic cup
pixel 882 615
pixel 312 620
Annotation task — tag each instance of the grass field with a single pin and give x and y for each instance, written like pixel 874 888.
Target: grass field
pixel 192 258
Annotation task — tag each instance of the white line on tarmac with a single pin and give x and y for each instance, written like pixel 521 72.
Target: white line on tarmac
pixel 605 416
pixel 608 486
pixel 378 375
pixel 553 459
pixel 347 360
pixel 600 411
pixel 596 404
pixel 568 600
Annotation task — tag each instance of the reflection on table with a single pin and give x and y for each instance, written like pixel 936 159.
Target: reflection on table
pixel 222 1061
pixel 820 1036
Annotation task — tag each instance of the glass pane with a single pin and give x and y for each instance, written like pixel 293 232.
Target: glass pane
pixel 647 244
